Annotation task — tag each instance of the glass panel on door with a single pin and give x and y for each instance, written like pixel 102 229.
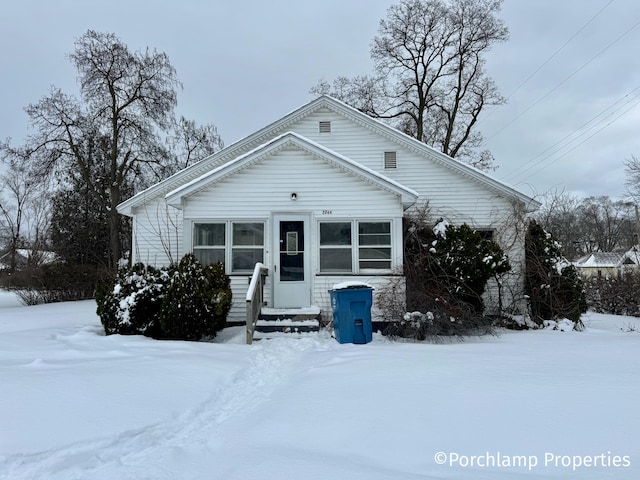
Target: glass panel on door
pixel 291 251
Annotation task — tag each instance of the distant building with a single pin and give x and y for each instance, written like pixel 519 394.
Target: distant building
pixel 608 264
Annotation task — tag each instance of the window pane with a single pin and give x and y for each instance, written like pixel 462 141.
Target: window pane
pixel 378 227
pixel 375 253
pixel 208 234
pixel 374 239
pixel 245 259
pixel 375 264
pixel 335 233
pixel 208 256
pixel 291 267
pixel 485 234
pixel 374 233
pixel 335 260
pixel 248 234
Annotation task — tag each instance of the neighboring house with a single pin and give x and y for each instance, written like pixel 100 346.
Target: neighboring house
pixel 318 197
pixel 608 264
pixel 26 257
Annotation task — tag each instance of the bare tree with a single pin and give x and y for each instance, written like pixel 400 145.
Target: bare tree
pixel 559 215
pixel 609 225
pixel 430 80
pixel 585 225
pixel 189 143
pixel 632 182
pixel 127 98
pixel 23 212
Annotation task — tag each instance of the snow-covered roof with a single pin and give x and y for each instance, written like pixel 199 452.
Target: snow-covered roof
pixel 281 126
pixel 607 259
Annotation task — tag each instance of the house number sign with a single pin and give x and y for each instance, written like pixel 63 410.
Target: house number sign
pixel 327 212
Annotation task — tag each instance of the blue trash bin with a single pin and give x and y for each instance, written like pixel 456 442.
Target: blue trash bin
pixel 352 313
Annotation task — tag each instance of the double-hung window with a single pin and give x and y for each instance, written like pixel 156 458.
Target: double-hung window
pixel 247 246
pixel 336 247
pixel 209 242
pixel 239 245
pixel 374 245
pixel 355 247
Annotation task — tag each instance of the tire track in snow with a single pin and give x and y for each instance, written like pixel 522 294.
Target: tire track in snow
pixel 151 452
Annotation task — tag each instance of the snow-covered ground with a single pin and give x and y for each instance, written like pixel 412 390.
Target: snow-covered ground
pixel 75 404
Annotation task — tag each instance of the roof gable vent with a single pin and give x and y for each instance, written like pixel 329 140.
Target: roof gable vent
pixel 390 160
pixel 324 126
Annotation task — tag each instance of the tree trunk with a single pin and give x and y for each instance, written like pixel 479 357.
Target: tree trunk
pixel 114 228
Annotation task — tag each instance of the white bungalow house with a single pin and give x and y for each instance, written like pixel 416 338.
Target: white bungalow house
pixel 608 264
pixel 317 197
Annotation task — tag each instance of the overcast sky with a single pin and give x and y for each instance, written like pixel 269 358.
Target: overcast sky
pixel 569 127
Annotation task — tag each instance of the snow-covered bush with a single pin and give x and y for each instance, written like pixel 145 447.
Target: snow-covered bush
pixel 552 284
pixel 438 326
pixel 447 268
pixel 188 301
pixel 131 305
pixel 196 302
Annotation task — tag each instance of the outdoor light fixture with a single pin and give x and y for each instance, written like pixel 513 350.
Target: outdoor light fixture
pixel 294 196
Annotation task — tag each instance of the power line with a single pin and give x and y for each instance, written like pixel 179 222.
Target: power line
pixel 560 49
pixel 543 64
pixel 524 167
pixel 575 72
pixel 548 163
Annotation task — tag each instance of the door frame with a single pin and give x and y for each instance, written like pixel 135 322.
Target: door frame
pixel 291 294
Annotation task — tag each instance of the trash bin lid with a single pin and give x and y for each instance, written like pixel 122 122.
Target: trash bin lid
pixel 351 284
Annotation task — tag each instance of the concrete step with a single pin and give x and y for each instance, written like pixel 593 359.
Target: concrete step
pixel 287 322
pixel 293 314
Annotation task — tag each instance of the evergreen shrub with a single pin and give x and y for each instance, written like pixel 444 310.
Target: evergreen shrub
pixel 552 284
pixel 447 268
pixel 131 304
pixel 196 301
pixel 188 301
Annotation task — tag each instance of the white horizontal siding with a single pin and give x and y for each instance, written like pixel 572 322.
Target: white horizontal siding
pixel 157 234
pixel 266 187
pixel 239 287
pixel 450 194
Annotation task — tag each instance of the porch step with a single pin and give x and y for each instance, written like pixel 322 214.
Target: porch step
pixel 289 322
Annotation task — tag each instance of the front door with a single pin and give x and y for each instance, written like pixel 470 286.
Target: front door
pixel 291 261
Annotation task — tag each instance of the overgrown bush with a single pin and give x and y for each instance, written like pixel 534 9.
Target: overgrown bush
pixel 446 269
pixel 617 295
pixel 196 301
pixel 552 284
pixel 188 301
pixel 438 326
pixel 131 304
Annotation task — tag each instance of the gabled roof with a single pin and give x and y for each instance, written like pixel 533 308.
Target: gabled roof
pixel 282 125
pixel 609 259
pixel 599 260
pixel 288 140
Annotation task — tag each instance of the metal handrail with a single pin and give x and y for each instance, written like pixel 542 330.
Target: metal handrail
pixel 255 298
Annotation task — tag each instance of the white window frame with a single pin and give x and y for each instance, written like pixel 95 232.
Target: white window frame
pixel 228 241
pixel 335 247
pixel 355 247
pixel 389 246
pixel 222 247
